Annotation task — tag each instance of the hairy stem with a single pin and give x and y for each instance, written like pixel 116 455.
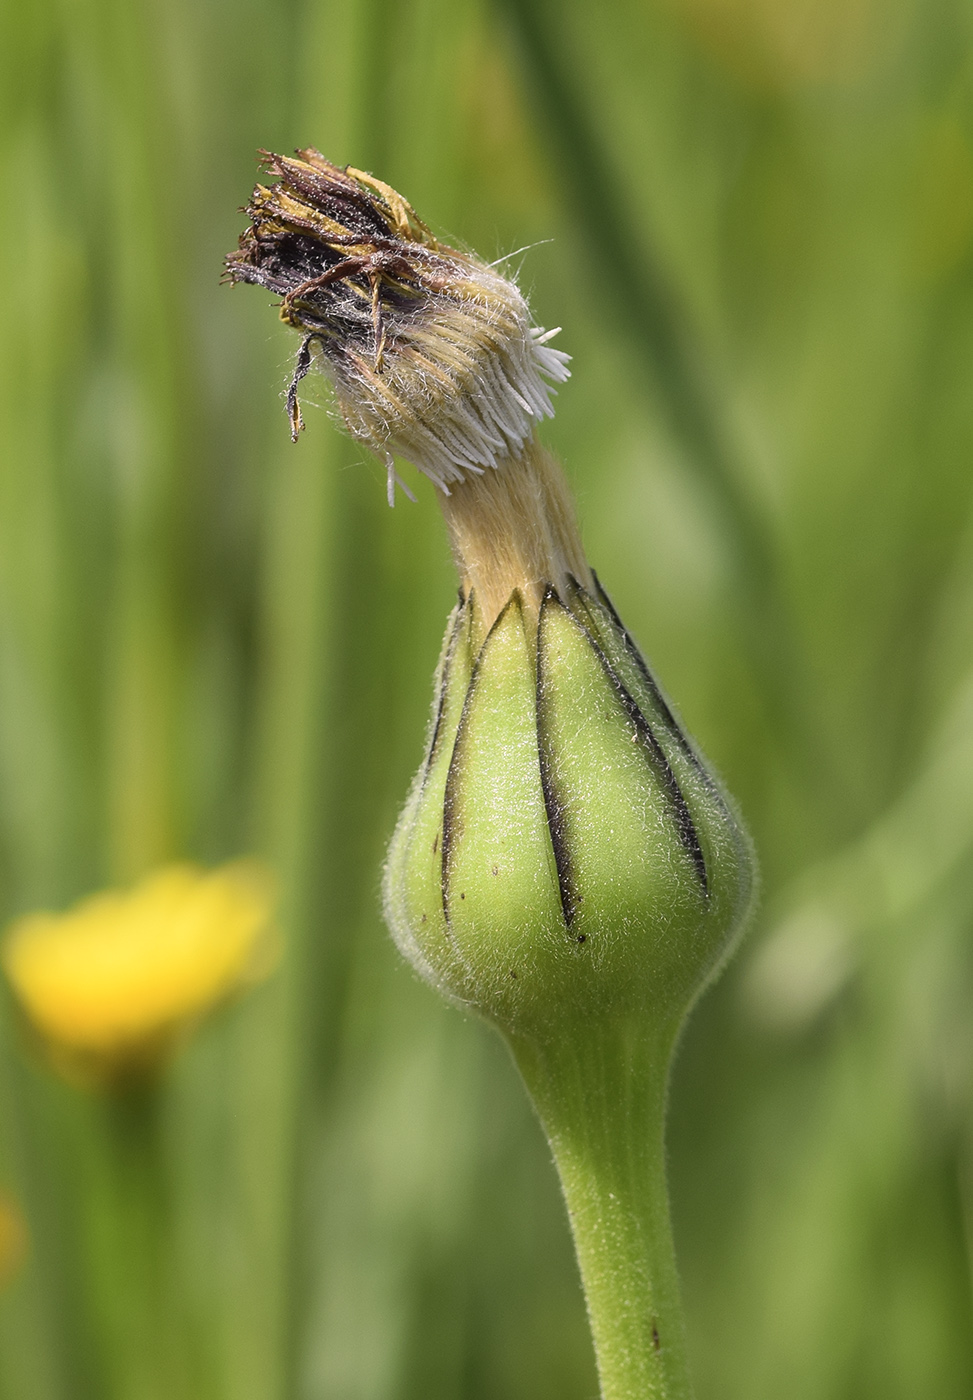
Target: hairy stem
pixel 601 1098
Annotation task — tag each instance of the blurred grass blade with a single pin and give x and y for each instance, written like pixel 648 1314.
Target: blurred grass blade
pixel 643 297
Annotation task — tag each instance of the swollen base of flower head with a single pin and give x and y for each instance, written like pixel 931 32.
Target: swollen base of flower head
pixel 564 855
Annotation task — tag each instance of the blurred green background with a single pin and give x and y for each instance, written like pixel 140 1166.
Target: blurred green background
pixel 754 221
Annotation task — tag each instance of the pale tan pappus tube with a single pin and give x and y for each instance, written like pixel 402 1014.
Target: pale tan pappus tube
pixel 514 527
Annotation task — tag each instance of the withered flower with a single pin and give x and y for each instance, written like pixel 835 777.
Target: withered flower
pixel 432 352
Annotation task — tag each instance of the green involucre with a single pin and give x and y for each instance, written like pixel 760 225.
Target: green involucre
pixel 564 854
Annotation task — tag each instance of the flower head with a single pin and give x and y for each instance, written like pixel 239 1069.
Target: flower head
pixel 432 352
pixel 565 853
pixel 112 984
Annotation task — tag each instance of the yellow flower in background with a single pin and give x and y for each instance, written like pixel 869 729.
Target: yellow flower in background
pixel 115 982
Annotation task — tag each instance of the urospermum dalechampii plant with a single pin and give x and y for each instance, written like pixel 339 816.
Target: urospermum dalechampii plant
pixel 566 865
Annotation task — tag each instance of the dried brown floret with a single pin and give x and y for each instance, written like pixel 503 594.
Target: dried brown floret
pixel 432 352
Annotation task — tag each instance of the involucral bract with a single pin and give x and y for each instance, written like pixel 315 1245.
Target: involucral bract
pixel 564 853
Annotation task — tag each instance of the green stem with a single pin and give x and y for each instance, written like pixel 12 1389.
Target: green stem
pixel 601 1099
pixel 135 1334
pixel 143 1345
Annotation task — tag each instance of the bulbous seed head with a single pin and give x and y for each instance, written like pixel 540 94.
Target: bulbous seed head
pixel 565 853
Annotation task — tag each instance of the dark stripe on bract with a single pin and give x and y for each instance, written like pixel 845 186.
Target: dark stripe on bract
pixel 449 797
pixel 415 798
pixel 553 806
pixel 454 636
pixel 680 808
pixel 651 682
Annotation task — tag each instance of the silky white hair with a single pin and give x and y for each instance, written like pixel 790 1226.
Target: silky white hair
pixel 461 384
